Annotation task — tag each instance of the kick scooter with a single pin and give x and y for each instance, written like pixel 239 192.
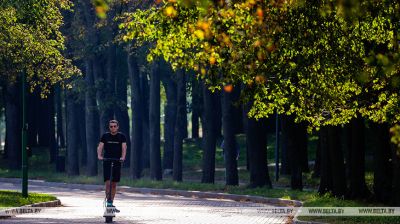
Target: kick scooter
pixel 109 210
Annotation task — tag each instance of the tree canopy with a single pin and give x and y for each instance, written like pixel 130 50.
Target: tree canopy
pixel 31 42
pixel 322 61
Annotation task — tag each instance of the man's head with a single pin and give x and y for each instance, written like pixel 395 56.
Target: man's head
pixel 113 126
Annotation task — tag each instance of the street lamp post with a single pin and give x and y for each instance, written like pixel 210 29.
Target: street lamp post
pixel 277 146
pixel 24 135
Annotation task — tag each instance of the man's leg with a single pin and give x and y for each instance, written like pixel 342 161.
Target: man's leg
pixel 107 186
pixel 114 190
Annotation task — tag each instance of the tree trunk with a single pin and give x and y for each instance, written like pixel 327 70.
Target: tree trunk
pixel 60 120
pixel 13 125
pixel 295 148
pixel 383 167
pixel 196 107
pixel 302 138
pixel 33 102
pixel 106 94
pixel 92 71
pixel 218 111
pixel 52 130
pixel 154 120
pixel 238 113
pixel 285 163
pixel 169 120
pixel 44 122
pixel 92 120
pixel 180 125
pixel 317 164
pixel 72 135
pixel 121 110
pixel 396 177
pixel 245 121
pixel 137 118
pixel 144 83
pixel 256 137
pixel 228 125
pixel 337 161
pixel 356 160
pixel 4 93
pixel 333 177
pixel 80 108
pixel 209 134
pixel 185 121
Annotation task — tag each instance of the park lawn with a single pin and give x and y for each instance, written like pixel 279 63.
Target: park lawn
pixel 15 199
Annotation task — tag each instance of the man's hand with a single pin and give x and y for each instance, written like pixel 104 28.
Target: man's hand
pixel 122 159
pixel 100 157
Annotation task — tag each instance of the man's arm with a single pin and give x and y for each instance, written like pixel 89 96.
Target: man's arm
pixel 100 151
pixel 123 151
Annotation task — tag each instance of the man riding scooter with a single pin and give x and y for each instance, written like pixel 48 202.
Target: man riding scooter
pixel 114 145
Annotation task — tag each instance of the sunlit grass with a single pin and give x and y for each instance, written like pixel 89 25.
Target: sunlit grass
pixel 15 199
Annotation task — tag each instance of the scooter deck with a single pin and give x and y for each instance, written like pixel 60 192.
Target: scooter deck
pixel 109 212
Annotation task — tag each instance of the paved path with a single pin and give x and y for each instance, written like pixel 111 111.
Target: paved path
pixel 86 206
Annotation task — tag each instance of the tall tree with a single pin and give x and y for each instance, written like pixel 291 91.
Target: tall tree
pixel 43 118
pixel 294 150
pixel 209 126
pixel 53 148
pixel 230 144
pixel 180 125
pixel 145 94
pixel 60 117
pixel 91 72
pixel 256 137
pixel 13 124
pixel 356 160
pixel 154 123
pixel 121 109
pixel 169 83
pixel 105 92
pixel 80 108
pixel 396 178
pixel 137 117
pixel 91 120
pixel 196 106
pixel 72 134
pixel 383 166
pixel 317 164
pixel 332 163
pixel 32 117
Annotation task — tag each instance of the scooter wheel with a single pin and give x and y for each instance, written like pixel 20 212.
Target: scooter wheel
pixel 109 219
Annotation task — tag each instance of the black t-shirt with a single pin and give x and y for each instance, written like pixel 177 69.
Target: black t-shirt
pixel 113 145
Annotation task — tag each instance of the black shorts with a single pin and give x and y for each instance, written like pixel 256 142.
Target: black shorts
pixel 116 175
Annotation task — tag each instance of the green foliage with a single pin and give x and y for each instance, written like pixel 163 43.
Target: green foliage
pixel 31 43
pixel 322 61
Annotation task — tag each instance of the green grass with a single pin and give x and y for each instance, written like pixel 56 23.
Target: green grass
pixel 15 199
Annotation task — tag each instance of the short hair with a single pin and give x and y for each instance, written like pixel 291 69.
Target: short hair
pixel 113 121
